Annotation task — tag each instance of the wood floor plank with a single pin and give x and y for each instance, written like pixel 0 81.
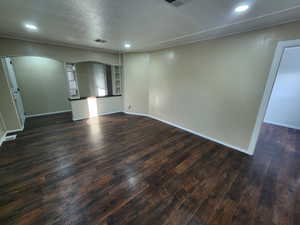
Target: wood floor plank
pixel 128 170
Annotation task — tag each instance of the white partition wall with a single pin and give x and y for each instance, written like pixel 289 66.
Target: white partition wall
pixel 92 107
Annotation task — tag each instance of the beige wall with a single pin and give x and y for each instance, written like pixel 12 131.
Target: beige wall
pixel 43 84
pixel 89 78
pixel 91 107
pixel 212 87
pixel 136 83
pixel 10 47
pixel 7 107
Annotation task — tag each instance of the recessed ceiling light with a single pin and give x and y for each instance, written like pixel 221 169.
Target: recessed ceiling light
pixel 127 45
pixel 31 27
pixel 241 8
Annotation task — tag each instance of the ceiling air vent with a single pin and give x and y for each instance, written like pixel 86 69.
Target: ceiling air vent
pixel 175 3
pixel 100 41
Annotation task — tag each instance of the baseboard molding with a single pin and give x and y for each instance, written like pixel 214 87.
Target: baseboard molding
pixel 101 114
pixel 282 125
pixel 17 130
pixel 11 137
pixel 3 138
pixel 190 131
pixel 137 114
pixel 47 114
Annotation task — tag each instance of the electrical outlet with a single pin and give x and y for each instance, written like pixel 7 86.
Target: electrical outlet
pixel 129 107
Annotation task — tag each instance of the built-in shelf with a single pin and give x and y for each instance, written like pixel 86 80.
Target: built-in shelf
pixel 117 79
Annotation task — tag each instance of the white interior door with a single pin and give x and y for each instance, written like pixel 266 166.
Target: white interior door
pixel 15 90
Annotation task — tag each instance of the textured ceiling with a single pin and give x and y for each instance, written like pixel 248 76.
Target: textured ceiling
pixel 146 24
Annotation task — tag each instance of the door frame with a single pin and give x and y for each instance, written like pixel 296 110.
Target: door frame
pixel 8 79
pixel 281 46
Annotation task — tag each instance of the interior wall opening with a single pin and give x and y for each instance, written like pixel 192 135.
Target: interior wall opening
pixel 280 130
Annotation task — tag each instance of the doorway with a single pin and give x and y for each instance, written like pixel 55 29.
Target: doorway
pixel 14 88
pixel 284 106
pixel 280 107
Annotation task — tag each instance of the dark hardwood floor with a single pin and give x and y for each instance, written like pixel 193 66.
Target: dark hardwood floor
pixel 123 169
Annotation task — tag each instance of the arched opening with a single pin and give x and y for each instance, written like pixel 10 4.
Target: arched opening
pixel 44 85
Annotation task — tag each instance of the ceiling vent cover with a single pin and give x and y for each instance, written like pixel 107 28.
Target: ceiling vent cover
pixel 175 3
pixel 99 40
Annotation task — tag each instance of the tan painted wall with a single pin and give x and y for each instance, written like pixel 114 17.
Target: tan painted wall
pixel 88 78
pixel 43 84
pixel 212 87
pixel 136 83
pixel 7 107
pixel 9 47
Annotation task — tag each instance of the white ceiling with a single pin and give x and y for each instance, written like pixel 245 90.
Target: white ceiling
pixel 146 24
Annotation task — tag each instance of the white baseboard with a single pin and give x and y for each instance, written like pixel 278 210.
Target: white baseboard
pixel 137 114
pixel 17 130
pixel 47 114
pixel 3 138
pixel 11 137
pixel 191 131
pixel 100 114
pixel 282 125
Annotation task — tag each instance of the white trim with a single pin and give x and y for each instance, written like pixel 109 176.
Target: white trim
pixel 11 137
pixel 282 125
pixel 100 114
pixel 13 85
pixel 137 114
pixel 47 114
pixel 282 45
pixel 6 76
pixel 3 125
pixel 191 131
pixel 3 138
pixel 16 130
